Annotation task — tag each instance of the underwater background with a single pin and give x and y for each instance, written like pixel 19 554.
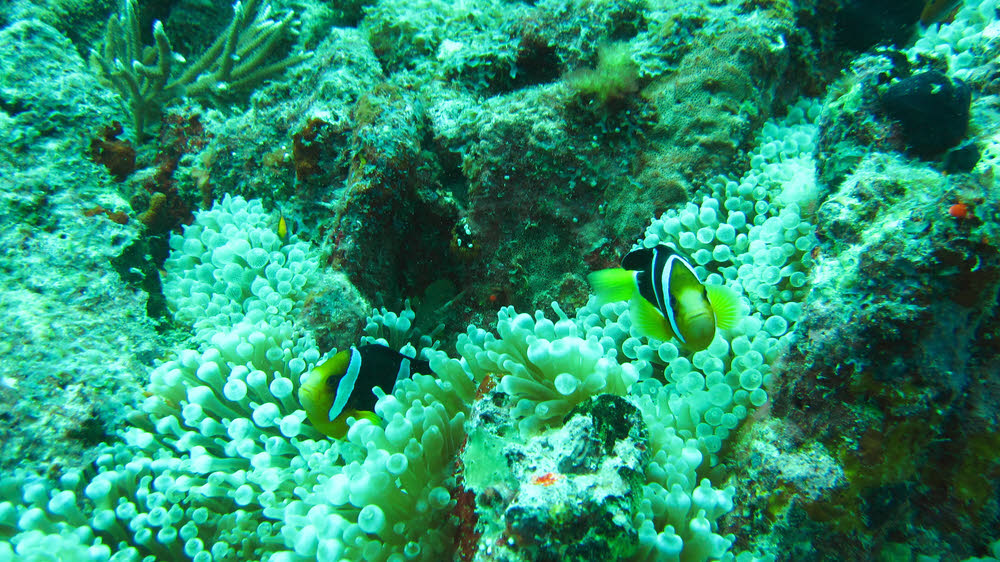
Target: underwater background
pixel 202 202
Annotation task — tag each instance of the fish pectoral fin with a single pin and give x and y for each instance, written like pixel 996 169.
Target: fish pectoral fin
pixel 648 320
pixel 726 304
pixel 361 415
pixel 612 285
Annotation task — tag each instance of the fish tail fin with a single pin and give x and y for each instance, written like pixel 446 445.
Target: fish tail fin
pixel 647 319
pixel 726 304
pixel 612 285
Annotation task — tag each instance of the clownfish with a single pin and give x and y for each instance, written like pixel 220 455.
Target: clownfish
pixel 667 299
pixel 342 386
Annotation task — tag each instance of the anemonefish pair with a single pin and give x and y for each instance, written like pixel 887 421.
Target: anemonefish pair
pixel 667 299
pixel 342 386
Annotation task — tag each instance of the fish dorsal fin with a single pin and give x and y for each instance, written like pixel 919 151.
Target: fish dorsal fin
pixel 642 258
pixel 638 259
pixel 346 385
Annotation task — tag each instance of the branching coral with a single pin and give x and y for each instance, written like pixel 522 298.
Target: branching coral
pixel 144 76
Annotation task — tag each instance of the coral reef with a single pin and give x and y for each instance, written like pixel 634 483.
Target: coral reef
pixel 379 491
pixel 891 382
pixel 390 197
pixel 439 178
pixel 932 110
pixel 899 327
pixel 68 369
pixel 578 487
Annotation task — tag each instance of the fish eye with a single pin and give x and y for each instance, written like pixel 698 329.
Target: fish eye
pixel 331 383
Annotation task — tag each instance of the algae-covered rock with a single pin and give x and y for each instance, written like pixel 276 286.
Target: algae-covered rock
pixel 570 493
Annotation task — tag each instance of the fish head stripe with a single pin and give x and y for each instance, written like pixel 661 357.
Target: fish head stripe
pixel 345 387
pixel 661 283
pixel 666 306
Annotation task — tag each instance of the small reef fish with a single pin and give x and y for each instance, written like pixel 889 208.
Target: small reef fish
pixel 342 386
pixel 667 300
pixel 282 228
pixel 936 11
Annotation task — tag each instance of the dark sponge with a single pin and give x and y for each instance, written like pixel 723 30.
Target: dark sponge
pixel 932 109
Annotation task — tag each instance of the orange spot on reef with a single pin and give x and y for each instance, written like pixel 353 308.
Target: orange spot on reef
pixel 547 479
pixel 960 211
pixel 488 383
pixel 115 216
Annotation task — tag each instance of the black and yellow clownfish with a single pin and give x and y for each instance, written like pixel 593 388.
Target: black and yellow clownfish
pixel 667 300
pixel 341 387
